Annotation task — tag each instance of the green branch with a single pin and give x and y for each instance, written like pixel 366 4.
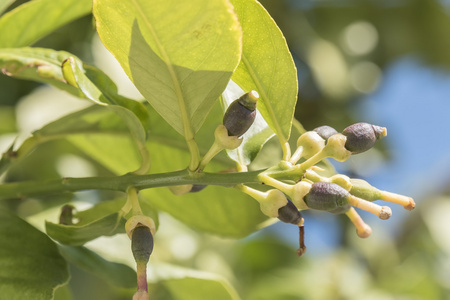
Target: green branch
pixel 121 183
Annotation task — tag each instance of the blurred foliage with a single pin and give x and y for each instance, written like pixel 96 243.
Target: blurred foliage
pixel 412 263
pixel 319 34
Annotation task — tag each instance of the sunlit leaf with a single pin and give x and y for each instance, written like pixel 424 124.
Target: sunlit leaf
pixel 31 266
pixel 179 58
pixel 67 72
pixel 267 67
pixel 94 119
pixel 15 29
pixel 75 74
pixel 37 64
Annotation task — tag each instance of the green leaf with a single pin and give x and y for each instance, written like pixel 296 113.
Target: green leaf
pixel 76 235
pixel 108 207
pixel 4 4
pixel 93 119
pixel 118 275
pixel 129 110
pixel 31 266
pixel 103 219
pixel 73 70
pixel 44 65
pixel 267 67
pixel 217 210
pixel 180 57
pixel 185 284
pixel 192 289
pixel 122 156
pixel 255 137
pixel 37 64
pixel 46 15
pixel 8 117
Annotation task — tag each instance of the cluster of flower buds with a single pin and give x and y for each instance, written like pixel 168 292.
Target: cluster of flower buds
pixel 337 194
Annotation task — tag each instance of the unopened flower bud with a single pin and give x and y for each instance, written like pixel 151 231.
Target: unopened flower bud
pixel 197 188
pixel 362 136
pixel 66 216
pixel 179 190
pixel 362 189
pixel 142 244
pixel 325 131
pixel 241 114
pixel 326 196
pixel 289 213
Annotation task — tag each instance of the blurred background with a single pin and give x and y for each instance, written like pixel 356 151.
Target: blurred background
pixel 385 62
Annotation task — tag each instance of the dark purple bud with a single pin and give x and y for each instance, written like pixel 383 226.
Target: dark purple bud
pixel 362 136
pixel 142 243
pixel 325 131
pixel 289 213
pixel 66 216
pixel 326 196
pixel 241 114
pixel 197 188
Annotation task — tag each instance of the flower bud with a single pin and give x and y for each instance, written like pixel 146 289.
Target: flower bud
pixel 325 131
pixel 179 190
pixel 241 114
pixel 197 188
pixel 142 244
pixel 66 216
pixel 289 213
pixel 363 189
pixel 326 196
pixel 362 136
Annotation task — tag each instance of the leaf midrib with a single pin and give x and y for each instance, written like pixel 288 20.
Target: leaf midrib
pixel 188 133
